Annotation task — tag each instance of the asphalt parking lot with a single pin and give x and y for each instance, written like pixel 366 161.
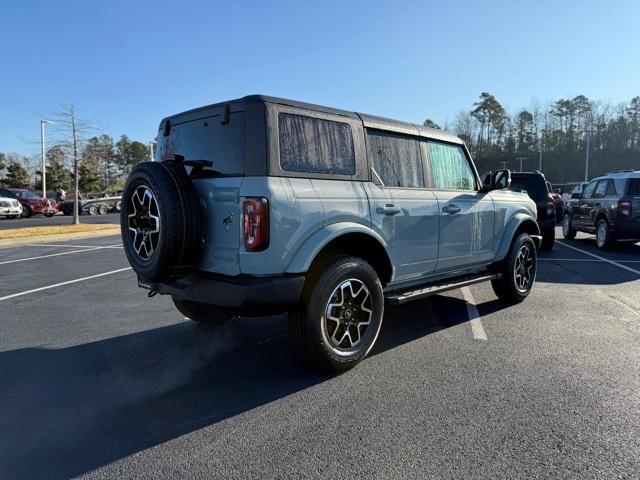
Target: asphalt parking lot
pixel 98 380
pixel 59 219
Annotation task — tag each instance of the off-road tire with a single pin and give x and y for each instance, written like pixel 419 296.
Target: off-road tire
pixel 568 232
pixel 201 312
pixel 180 236
pixel 307 324
pixel 505 287
pixel 609 237
pixel 548 239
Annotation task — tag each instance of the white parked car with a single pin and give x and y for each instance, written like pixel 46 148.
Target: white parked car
pixel 10 207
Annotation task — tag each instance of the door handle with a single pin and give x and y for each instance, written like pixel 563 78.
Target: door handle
pixel 451 209
pixel 388 209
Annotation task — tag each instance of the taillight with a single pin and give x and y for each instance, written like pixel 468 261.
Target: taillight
pixel 624 207
pixel 551 208
pixel 256 223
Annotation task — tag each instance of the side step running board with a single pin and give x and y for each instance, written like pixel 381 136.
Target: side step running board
pixel 407 296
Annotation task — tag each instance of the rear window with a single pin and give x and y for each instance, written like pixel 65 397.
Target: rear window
pixel 208 139
pixel 315 145
pixel 534 185
pixel 634 187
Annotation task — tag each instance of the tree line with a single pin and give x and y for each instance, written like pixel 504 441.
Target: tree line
pixel 103 165
pixel 559 133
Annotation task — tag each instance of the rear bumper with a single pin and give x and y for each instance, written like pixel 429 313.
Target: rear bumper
pixel 629 229
pixel 243 294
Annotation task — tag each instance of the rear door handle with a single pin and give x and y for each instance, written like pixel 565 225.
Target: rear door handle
pixel 388 209
pixel 451 209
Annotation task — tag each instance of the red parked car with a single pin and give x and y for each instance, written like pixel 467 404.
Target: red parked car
pixel 31 203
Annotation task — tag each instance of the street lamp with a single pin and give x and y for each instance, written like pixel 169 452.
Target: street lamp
pixel 521 160
pixel 44 168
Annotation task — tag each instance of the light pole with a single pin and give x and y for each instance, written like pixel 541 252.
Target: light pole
pixel 586 159
pixel 44 158
pixel 521 159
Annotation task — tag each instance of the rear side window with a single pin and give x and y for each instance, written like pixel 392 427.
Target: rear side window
pixel 209 139
pixel 601 189
pixel 450 168
pixel 534 185
pixel 315 145
pixel 634 187
pixel 396 159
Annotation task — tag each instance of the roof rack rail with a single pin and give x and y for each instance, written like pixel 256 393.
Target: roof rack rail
pixel 628 170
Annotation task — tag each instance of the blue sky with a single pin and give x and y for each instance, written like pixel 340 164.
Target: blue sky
pixel 129 63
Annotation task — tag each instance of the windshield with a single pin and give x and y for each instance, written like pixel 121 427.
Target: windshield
pixel 25 194
pixel 208 139
pixel 534 185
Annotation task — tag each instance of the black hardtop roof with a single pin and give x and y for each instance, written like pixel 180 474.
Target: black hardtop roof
pixel 370 121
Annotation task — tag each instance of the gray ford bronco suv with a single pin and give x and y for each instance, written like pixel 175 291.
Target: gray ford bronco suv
pixel 261 205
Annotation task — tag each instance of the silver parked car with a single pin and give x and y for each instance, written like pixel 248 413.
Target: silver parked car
pixel 263 205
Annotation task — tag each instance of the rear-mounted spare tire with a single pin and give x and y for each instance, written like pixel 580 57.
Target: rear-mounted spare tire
pixel 160 221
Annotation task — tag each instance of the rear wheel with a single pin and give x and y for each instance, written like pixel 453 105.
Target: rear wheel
pixel 93 210
pixel 102 209
pixel 605 238
pixel 518 271
pixel 201 312
pixel 340 317
pixel 568 231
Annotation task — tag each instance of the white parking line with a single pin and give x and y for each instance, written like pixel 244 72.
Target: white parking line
pixel 50 255
pixel 554 259
pixel 474 316
pixel 612 262
pixel 69 282
pixel 115 245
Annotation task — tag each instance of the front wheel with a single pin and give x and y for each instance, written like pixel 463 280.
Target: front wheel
pixel 26 212
pixel 518 271
pixel 605 239
pixel 340 317
pixel 201 312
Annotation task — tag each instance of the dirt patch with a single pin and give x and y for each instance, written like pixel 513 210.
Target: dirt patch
pixel 55 230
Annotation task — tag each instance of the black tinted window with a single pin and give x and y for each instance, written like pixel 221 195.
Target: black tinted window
pixel 634 186
pixel 208 139
pixel 534 185
pixel 314 145
pixel 396 159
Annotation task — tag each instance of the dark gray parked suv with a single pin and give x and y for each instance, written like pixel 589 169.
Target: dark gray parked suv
pixel 263 205
pixel 609 206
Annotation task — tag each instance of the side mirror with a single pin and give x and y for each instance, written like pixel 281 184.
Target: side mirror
pixel 500 180
pixel 576 196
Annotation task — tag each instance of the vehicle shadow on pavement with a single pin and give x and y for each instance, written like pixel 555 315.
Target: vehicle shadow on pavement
pixel 67 411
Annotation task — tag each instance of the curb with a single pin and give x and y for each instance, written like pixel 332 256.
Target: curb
pixel 16 242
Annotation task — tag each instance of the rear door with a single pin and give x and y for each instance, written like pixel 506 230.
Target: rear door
pixel 403 211
pixel 582 207
pixel 467 215
pixel 220 138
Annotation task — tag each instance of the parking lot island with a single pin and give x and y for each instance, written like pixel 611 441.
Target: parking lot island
pixel 21 236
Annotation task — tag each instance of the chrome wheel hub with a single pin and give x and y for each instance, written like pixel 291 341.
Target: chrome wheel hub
pixel 143 222
pixel 347 315
pixel 524 269
pixel 601 235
